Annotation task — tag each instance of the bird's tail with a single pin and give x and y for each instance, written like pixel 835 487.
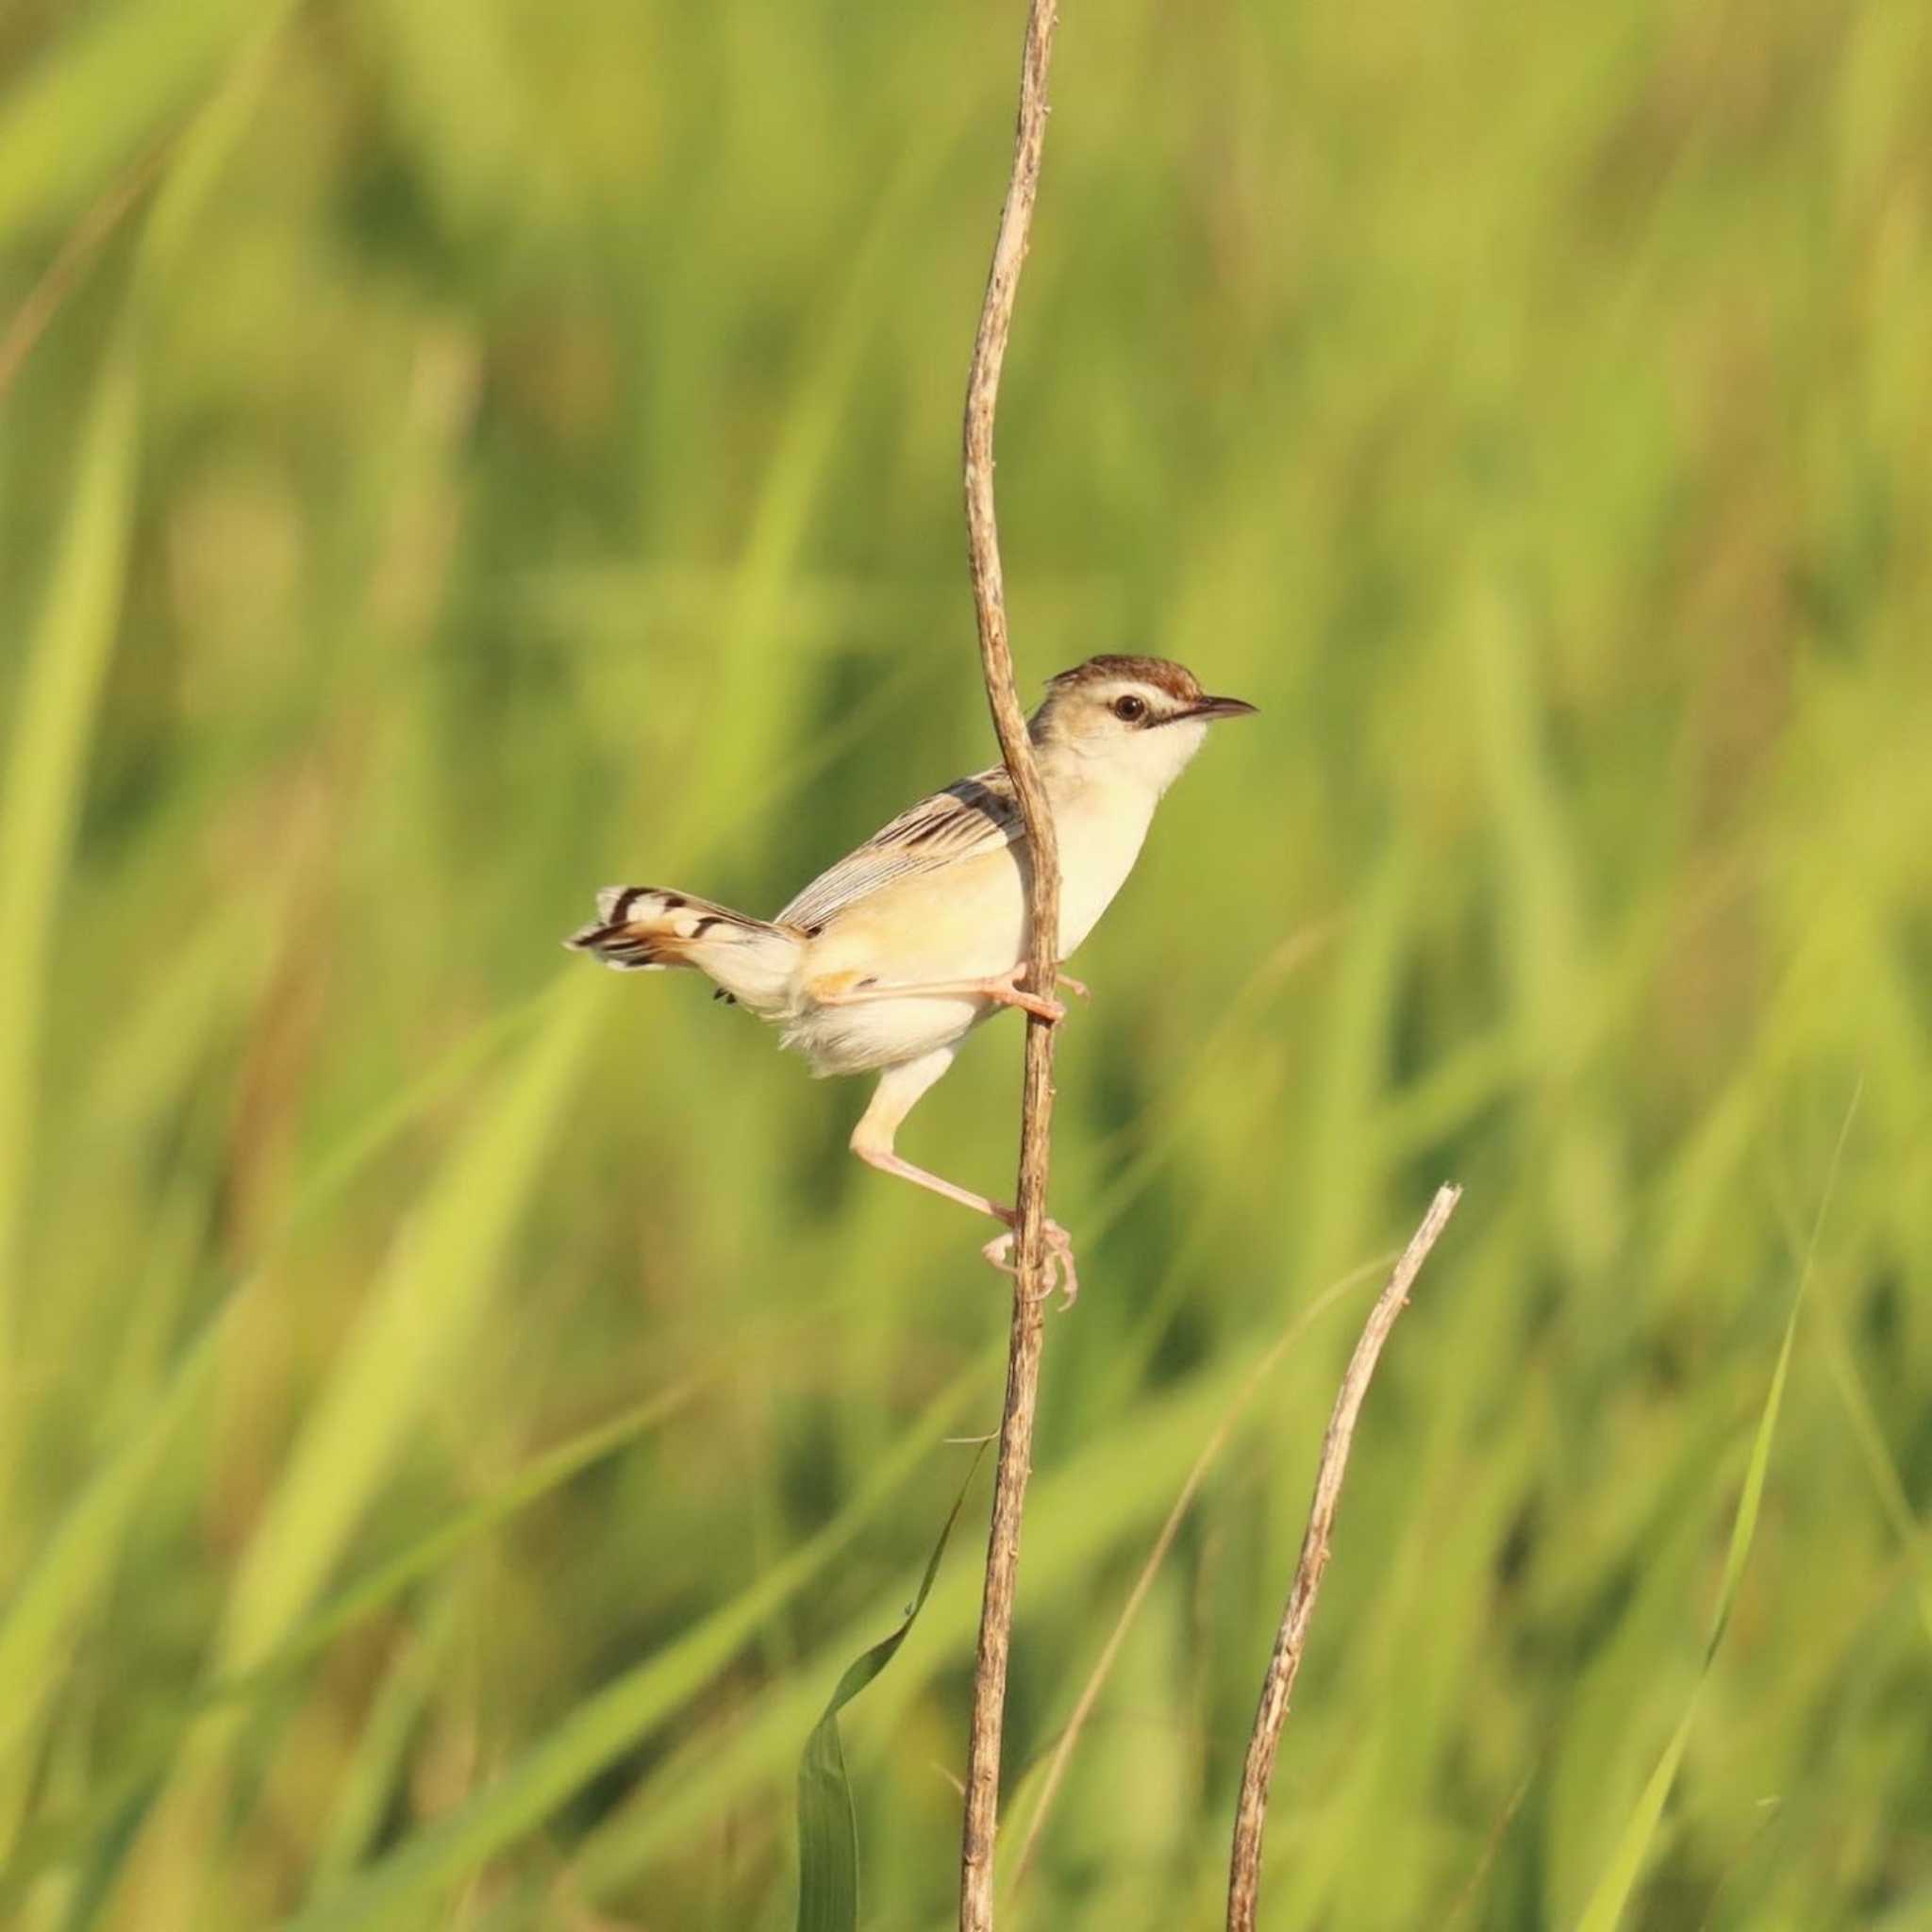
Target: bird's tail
pixel 638 927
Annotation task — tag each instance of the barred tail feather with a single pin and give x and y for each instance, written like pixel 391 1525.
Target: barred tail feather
pixel 641 927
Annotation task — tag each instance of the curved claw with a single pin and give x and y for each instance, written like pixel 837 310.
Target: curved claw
pixel 1061 1273
pixel 1076 986
pixel 1008 991
pixel 1052 1011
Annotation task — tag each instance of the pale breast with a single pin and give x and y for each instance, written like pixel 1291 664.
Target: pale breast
pixel 1100 837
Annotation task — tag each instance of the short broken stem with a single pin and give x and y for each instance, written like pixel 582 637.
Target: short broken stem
pixel 1251 1814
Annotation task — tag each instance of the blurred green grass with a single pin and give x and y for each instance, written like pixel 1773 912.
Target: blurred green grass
pixel 502 449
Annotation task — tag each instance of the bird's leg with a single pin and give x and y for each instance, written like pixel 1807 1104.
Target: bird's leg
pixel 898 1093
pixel 889 1162
pixel 1003 989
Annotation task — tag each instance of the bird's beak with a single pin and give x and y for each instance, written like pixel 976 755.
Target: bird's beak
pixel 1221 707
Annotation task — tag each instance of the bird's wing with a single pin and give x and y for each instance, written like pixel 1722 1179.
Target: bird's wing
pixel 975 815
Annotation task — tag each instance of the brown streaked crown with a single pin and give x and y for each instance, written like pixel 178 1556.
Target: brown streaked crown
pixel 1177 680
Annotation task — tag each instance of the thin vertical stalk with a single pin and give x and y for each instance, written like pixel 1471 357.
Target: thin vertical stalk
pixel 1030 1282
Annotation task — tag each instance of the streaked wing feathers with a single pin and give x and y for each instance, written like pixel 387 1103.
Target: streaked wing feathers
pixel 975 814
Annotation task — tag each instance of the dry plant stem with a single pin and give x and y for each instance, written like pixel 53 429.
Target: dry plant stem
pixel 1103 1669
pixel 1030 1282
pixel 1251 1814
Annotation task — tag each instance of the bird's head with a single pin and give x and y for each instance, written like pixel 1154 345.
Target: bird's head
pixel 1139 718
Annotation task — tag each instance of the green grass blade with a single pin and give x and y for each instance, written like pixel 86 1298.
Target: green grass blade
pixel 1888 1485
pixel 351 1157
pixel 624 1711
pixel 39 1619
pixel 1745 1527
pixel 429 1554
pixel 56 1842
pixel 40 1624
pixel 56 708
pixel 1627 1863
pixel 411 1336
pixel 145 62
pixel 1074 1520
pixel 208 145
pixel 356 1817
pixel 827 1824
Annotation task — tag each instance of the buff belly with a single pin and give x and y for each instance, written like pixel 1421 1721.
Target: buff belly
pixel 967 922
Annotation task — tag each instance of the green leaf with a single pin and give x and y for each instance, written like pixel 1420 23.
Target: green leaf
pixel 1121 1481
pixel 828 1826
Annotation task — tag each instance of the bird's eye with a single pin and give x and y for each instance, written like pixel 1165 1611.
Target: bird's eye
pixel 1130 710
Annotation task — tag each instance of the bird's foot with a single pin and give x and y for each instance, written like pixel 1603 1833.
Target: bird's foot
pixel 1076 986
pixel 1060 1271
pixel 1006 990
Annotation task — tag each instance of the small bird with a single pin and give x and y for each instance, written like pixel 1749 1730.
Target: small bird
pixel 887 961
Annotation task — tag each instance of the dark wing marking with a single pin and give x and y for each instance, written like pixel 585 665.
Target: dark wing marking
pixel 975 815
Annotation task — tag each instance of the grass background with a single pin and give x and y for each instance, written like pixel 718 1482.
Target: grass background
pixel 459 1412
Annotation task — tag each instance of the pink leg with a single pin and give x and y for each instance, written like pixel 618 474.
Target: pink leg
pixel 1003 990
pixel 899 1090
pixel 889 1162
